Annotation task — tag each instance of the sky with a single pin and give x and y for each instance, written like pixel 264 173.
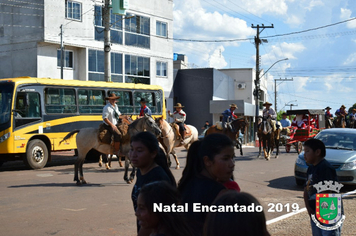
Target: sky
pixel 321 59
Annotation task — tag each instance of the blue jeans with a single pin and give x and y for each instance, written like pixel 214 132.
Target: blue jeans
pixel 320 232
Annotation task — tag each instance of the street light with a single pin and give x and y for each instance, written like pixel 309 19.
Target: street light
pixel 291 105
pixel 257 90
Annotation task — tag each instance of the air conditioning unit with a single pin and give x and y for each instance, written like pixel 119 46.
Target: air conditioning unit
pixel 241 85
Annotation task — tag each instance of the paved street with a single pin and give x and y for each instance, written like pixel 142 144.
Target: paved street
pixel 47 201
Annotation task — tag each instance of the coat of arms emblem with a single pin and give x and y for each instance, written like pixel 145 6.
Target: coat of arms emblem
pixel 328 205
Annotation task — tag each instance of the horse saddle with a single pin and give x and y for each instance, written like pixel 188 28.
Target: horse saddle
pixel 105 136
pixel 219 125
pixel 187 132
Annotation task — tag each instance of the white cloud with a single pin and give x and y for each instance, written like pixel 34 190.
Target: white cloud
pixel 293 20
pixel 258 7
pixel 216 59
pixel 192 20
pixel 345 14
pixel 280 51
pixel 350 59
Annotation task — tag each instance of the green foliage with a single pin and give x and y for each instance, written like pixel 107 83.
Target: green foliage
pixel 353 107
pixel 279 114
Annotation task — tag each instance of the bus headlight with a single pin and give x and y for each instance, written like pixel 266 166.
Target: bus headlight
pixel 4 137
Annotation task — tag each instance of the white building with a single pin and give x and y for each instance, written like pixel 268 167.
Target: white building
pixel 142 49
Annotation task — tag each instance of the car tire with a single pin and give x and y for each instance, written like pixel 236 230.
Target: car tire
pixel 299 182
pixel 36 154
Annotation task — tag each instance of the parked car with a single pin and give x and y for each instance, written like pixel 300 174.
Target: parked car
pixel 340 153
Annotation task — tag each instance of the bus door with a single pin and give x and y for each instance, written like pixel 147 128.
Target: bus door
pixel 27 108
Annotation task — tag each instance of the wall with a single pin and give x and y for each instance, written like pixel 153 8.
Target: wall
pixel 193 88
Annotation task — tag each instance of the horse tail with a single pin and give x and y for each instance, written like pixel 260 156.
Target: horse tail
pixel 69 135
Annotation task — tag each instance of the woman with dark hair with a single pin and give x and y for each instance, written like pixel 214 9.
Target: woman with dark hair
pixel 209 162
pixel 151 162
pixel 159 222
pixel 251 222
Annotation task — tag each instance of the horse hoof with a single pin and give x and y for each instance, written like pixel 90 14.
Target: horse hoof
pixel 84 182
pixel 120 164
pixel 177 167
pixel 276 157
pixel 128 181
pixel 78 183
pixel 107 166
pixel 100 165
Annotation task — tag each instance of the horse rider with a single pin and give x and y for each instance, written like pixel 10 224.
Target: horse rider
pixel 341 112
pixel 228 115
pixel 352 116
pixel 328 117
pixel 179 118
pixel 144 109
pixel 269 112
pixel 111 117
pixel 286 123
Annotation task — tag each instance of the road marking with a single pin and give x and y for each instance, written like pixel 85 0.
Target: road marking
pixel 67 209
pixel 44 175
pixel 285 216
pixel 299 211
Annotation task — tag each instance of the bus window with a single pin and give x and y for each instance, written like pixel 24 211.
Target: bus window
pixel 27 108
pixel 125 103
pixel 158 101
pixel 148 96
pixel 91 101
pixel 60 100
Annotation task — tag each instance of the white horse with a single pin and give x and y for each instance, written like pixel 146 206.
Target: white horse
pixel 169 139
pixel 87 139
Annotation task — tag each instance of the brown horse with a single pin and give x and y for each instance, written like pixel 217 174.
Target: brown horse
pixel 269 139
pixel 233 133
pixel 340 122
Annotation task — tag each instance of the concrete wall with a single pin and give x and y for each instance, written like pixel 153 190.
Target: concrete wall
pixel 194 89
pixel 21 26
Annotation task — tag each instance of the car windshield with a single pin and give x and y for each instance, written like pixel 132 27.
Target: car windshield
pixel 6 90
pixel 337 140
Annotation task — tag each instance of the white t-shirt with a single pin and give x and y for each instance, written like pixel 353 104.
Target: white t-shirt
pixel 108 112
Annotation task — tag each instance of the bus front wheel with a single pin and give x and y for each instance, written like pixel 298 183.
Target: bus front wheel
pixel 36 155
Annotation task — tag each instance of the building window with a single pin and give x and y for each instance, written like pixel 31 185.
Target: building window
pixel 161 29
pixel 137 31
pixel 73 10
pixel 115 26
pixel 96 66
pixel 161 68
pixel 137 69
pixel 67 59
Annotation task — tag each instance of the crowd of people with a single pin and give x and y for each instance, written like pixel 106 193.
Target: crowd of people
pixel 207 180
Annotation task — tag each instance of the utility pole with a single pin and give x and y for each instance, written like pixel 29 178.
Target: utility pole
pixel 62 52
pixel 107 44
pixel 291 105
pixel 256 92
pixel 275 90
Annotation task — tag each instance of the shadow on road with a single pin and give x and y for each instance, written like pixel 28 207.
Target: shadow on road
pixel 56 185
pixel 287 182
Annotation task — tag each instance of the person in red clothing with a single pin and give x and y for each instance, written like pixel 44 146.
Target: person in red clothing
pixel 144 109
pixel 328 118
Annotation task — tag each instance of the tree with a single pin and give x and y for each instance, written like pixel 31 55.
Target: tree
pixel 353 107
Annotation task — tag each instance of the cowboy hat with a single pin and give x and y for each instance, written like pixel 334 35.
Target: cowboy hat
pixel 112 96
pixel 143 100
pixel 326 108
pixel 284 114
pixel 342 106
pixel 233 105
pixel 267 103
pixel 178 105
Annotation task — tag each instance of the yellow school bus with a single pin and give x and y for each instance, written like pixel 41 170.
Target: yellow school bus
pixel 36 113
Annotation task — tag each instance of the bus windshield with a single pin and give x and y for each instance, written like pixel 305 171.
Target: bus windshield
pixel 6 91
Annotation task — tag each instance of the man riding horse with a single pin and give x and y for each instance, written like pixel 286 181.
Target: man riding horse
pixel 341 116
pixel 228 115
pixel 328 118
pixel 352 118
pixel 111 117
pixel 179 118
pixel 270 114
